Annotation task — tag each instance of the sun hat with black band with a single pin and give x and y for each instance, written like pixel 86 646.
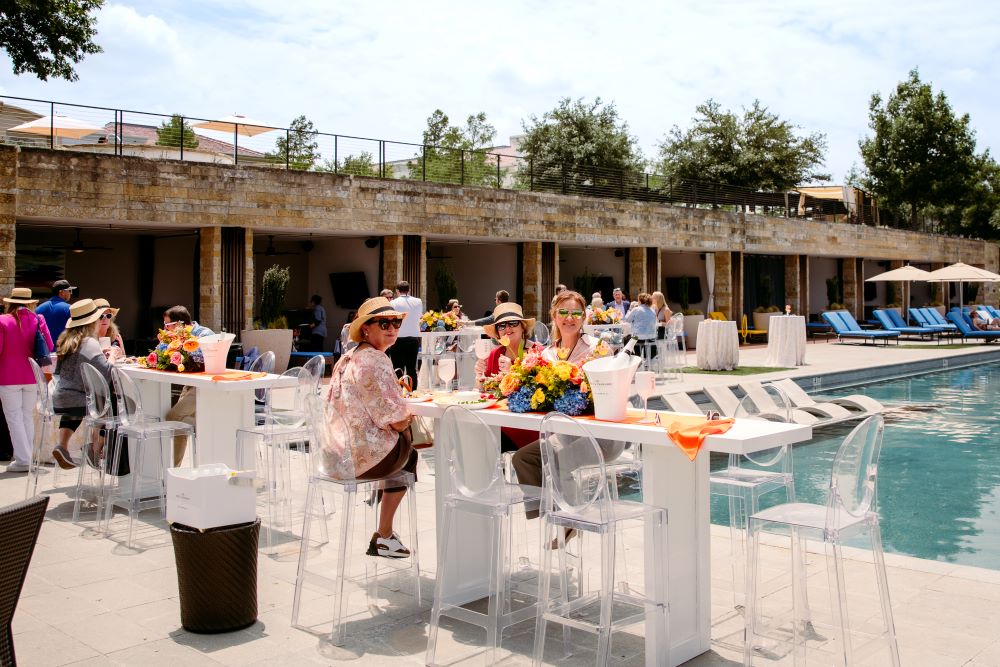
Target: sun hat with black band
pixel 104 305
pixel 21 295
pixel 82 313
pixel 508 312
pixel 373 308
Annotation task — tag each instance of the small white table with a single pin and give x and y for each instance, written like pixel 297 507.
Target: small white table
pixel 786 341
pixel 718 345
pixel 669 480
pixel 221 407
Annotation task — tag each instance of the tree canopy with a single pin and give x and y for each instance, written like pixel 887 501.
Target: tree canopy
pixel 921 155
pixel 453 154
pixel 577 146
pixel 362 164
pixel 48 37
pixel 169 133
pixel 756 150
pixel 299 147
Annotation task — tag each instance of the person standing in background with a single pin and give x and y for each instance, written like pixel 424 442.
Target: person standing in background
pixel 502 296
pixel 56 309
pixel 620 303
pixel 404 352
pixel 317 328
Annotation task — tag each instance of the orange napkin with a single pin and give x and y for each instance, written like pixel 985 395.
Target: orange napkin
pixel 230 376
pixel 689 432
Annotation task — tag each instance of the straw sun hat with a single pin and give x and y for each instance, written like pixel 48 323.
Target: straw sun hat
pixel 21 295
pixel 373 308
pixel 507 312
pixel 103 304
pixel 82 313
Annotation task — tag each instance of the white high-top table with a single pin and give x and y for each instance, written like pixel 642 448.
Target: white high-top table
pixel 786 341
pixel 669 480
pixel 221 407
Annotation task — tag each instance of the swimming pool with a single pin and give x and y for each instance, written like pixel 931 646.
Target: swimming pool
pixel 939 475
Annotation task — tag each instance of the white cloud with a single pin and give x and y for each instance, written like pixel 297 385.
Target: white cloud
pixel 379 69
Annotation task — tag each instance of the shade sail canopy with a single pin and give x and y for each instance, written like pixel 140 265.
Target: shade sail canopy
pixel 240 124
pixel 903 274
pixel 58 126
pixel 964 273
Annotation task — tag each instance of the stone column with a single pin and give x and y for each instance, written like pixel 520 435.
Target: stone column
pixel 392 261
pixel 852 293
pixel 636 272
pixel 8 206
pixel 804 305
pixel 210 272
pixel 248 279
pixel 724 301
pixel 793 285
pixel 901 297
pixel 534 303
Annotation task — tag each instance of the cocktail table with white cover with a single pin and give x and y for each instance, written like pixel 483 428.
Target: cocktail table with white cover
pixel 786 341
pixel 718 345
pixel 670 480
pixel 221 407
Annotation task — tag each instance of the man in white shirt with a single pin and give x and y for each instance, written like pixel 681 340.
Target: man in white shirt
pixel 404 352
pixel 619 303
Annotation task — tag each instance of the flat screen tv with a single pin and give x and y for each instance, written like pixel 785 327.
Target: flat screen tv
pixel 673 285
pixel 350 288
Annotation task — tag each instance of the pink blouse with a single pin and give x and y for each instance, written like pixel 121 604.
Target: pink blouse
pixel 367 398
pixel 17 343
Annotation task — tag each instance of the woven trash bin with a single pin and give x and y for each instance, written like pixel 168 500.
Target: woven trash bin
pixel 217 576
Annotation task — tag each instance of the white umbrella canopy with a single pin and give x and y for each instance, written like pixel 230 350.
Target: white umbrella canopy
pixel 959 272
pixel 903 274
pixel 58 126
pixel 238 124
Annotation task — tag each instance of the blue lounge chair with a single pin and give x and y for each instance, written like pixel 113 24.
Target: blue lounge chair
pixel 993 311
pixel 845 326
pixel 890 323
pixel 934 316
pixel 923 319
pixel 961 320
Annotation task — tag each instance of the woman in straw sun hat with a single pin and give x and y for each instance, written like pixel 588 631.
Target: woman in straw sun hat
pixel 76 346
pixel 106 328
pixel 511 329
pixel 18 393
pixel 375 420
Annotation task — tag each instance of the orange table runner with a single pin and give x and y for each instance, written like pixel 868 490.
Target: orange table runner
pixel 225 376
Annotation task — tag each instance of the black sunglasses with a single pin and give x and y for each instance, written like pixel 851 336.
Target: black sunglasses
pixel 384 323
pixel 503 326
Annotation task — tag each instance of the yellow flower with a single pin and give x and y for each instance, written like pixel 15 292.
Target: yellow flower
pixel 537 398
pixel 563 370
pixel 190 345
pixel 563 353
pixel 174 344
pixel 180 368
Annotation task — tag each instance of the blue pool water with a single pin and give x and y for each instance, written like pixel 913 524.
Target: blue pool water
pixel 939 475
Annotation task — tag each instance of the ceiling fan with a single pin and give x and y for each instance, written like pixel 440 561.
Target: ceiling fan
pixel 79 248
pixel 271 251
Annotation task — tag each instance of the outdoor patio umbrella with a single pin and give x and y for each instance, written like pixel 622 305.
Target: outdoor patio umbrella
pixel 57 126
pixel 904 274
pixel 962 273
pixel 236 124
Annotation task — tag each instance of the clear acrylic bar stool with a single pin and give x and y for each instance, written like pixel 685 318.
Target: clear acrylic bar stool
pixel 98 426
pixel 850 509
pixel 468 444
pixel 267 447
pixel 145 487
pixel 576 497
pixel 747 478
pixel 333 468
pixel 49 422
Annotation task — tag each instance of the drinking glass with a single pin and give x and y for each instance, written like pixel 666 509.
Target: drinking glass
pixel 446 371
pixel 483 348
pixel 645 386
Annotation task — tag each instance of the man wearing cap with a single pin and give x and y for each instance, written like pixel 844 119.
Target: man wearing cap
pixel 56 309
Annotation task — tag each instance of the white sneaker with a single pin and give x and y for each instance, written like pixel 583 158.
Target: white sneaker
pixel 390 547
pixel 18 467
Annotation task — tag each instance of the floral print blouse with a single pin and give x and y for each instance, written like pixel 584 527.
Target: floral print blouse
pixel 366 398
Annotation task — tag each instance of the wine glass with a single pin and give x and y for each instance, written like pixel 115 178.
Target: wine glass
pixel 645 386
pixel 483 348
pixel 446 371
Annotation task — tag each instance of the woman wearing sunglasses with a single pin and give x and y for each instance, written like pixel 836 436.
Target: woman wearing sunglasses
pixel 107 328
pixel 511 329
pixel 568 340
pixel 374 420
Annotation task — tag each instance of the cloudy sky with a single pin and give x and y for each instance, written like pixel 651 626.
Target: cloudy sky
pixel 378 69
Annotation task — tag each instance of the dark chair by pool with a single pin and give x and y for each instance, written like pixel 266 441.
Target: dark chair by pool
pixel 19 526
pixel 845 326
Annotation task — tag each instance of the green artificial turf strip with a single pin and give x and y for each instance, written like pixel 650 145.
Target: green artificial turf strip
pixel 741 370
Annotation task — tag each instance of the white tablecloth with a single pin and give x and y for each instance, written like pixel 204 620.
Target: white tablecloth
pixel 718 345
pixel 786 341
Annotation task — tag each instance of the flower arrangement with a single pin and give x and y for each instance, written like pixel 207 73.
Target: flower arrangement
pixel 534 383
pixel 177 350
pixel 432 320
pixel 607 316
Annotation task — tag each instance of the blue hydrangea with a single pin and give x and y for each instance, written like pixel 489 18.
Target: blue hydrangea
pixel 572 402
pixel 520 400
pixel 197 355
pixel 162 347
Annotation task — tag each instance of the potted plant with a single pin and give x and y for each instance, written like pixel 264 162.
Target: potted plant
pixel 273 333
pixel 762 316
pixel 833 293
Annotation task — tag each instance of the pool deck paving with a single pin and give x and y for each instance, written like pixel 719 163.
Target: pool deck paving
pixel 87 602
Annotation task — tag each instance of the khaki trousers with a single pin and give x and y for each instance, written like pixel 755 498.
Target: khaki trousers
pixel 182 411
